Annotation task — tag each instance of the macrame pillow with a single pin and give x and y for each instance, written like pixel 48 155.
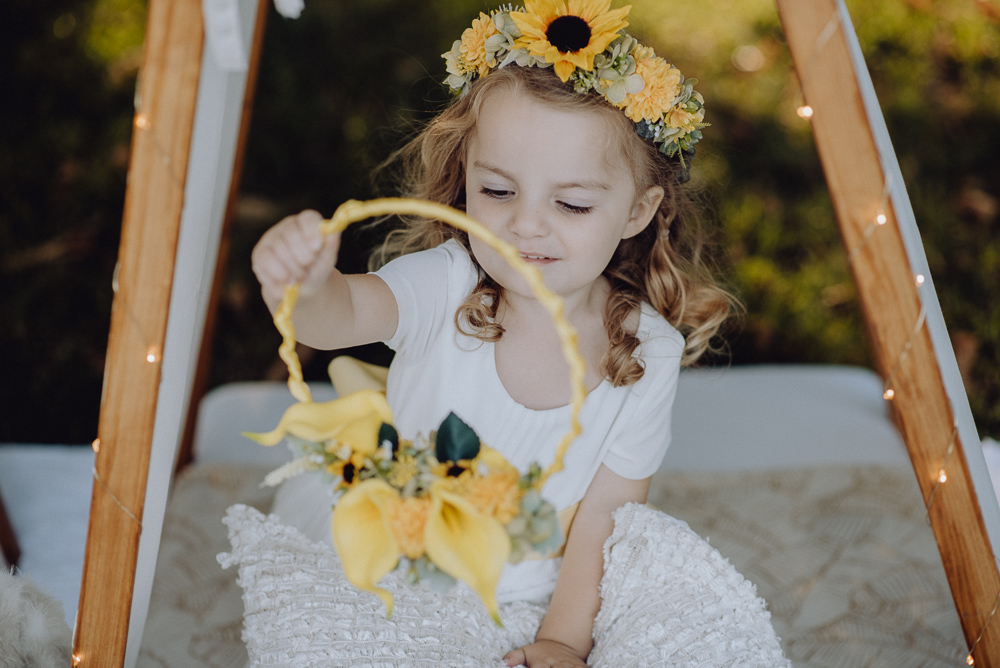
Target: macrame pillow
pixel 669 599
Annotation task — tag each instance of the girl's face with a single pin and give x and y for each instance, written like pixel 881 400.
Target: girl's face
pixel 554 184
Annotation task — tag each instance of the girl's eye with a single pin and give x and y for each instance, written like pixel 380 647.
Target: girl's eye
pixel 494 192
pixel 572 208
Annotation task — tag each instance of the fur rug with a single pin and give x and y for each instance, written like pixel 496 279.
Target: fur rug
pixel 33 630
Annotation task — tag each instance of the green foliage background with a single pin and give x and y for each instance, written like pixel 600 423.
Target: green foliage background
pixel 344 84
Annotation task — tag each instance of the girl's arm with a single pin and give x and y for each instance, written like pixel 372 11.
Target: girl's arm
pixel 333 310
pixel 566 634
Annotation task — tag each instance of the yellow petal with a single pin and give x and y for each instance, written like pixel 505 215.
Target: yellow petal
pixel 349 375
pixel 466 544
pixel 493 460
pixel 363 536
pixel 354 419
pixel 563 69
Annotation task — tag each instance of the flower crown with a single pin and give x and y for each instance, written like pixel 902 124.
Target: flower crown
pixel 585 42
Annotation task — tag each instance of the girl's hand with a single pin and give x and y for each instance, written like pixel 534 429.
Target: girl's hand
pixel 294 251
pixel 544 654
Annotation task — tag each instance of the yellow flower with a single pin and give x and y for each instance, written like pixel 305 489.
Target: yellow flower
pixel 473 48
pixel 684 120
pixel 662 86
pixel 460 540
pixel 568 33
pixel 643 53
pixel 363 536
pixel 408 519
pixel 347 469
pixel 354 420
pixel 496 494
pixel 466 544
pixel 403 471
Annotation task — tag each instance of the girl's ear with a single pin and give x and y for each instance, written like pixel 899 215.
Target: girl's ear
pixel 645 207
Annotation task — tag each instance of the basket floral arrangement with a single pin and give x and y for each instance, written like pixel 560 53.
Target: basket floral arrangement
pixel 444 505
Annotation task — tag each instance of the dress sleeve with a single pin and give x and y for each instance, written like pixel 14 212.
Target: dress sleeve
pixel 642 437
pixel 428 286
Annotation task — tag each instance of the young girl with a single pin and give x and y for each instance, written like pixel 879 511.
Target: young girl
pixel 546 149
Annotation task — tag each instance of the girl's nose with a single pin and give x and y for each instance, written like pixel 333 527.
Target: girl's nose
pixel 527 222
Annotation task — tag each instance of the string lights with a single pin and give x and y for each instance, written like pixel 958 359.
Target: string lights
pixel 939 476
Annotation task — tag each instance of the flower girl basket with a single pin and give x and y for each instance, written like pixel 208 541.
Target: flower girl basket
pixel 451 506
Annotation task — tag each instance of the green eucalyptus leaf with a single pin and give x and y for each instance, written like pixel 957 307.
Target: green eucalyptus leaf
pixel 455 440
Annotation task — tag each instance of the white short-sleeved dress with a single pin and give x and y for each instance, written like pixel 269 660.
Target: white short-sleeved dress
pixel 438 370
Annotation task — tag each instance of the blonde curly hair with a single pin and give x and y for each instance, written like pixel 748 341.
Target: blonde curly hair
pixel 665 265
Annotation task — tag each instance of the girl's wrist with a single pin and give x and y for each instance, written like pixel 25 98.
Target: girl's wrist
pixel 580 647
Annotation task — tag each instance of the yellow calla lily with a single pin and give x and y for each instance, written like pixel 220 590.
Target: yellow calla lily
pixel 354 419
pixel 466 544
pixel 363 536
pixel 493 460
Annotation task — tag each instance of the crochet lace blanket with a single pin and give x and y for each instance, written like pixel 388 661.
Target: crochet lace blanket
pixel 668 599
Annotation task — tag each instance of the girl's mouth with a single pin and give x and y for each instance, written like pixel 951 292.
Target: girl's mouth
pixel 536 258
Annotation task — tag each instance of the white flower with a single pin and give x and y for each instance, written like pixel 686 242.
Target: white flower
pixel 289 470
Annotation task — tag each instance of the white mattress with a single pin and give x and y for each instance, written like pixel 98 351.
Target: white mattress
pixel 741 418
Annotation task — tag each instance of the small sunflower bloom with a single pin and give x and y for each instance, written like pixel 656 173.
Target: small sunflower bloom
pixel 569 33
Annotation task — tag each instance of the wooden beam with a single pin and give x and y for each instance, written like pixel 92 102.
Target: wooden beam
pixel 168 88
pixel 201 379
pixel 891 303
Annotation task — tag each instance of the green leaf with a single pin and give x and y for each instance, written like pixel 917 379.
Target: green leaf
pixel 388 433
pixel 455 440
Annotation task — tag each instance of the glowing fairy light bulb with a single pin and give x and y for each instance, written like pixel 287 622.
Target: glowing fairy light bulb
pixel 96 445
pixel 969 660
pixel 881 219
pixel 919 280
pixel 141 121
pixel 889 394
pixel 151 355
pixel 805 111
pixel 942 477
pixel 77 660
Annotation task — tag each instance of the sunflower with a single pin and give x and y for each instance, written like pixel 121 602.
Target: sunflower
pixel 568 33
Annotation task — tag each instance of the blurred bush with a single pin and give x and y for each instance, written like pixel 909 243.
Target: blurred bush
pixel 343 85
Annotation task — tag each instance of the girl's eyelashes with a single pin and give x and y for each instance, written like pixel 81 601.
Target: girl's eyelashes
pixel 495 193
pixel 501 194
pixel 572 208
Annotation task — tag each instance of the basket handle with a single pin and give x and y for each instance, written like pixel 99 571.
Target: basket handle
pixel 353 211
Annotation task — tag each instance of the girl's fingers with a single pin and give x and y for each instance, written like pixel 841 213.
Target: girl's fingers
pixel 515 657
pixel 304 238
pixel 323 264
pixel 287 252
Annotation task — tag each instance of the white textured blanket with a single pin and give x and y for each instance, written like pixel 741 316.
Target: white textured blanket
pixel 669 599
pixel 843 556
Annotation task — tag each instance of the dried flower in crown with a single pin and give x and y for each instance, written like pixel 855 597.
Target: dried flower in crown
pixel 585 43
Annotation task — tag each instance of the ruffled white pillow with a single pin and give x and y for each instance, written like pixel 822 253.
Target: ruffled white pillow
pixel 669 599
